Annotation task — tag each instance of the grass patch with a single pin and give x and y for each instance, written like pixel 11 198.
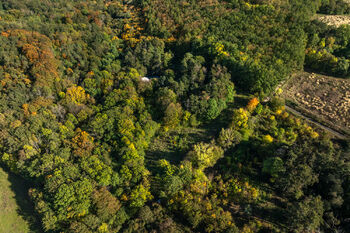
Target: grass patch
pixel 176 143
pixel 16 210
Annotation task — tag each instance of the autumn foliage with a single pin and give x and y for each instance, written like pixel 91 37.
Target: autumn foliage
pixel 38 49
pixel 131 116
pixel 82 143
pixel 252 104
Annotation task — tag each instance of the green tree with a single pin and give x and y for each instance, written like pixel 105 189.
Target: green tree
pixel 205 155
pixel 172 115
pixel 306 215
pixel 106 205
pixel 273 166
pixel 139 196
pixel 229 137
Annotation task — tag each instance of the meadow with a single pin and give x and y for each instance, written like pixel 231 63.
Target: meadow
pixel 16 210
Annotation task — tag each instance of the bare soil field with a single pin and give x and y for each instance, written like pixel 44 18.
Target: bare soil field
pixel 335 20
pixel 326 98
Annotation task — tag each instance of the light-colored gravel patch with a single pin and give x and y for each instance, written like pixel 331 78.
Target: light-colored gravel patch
pixel 335 20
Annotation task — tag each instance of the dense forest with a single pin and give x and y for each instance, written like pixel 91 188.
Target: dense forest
pixel 163 115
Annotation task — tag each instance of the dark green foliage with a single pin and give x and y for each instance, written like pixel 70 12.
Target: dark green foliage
pixel 328 49
pixel 87 86
pixel 149 57
pixel 334 7
pixel 306 214
pixel 273 166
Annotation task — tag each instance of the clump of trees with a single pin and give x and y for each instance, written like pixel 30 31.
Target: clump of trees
pixel 88 87
pixel 334 7
pixel 327 49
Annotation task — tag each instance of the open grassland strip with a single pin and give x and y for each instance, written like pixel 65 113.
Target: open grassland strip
pixel 242 96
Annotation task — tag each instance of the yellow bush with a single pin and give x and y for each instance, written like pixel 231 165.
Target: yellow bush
pixel 76 95
pixel 267 139
pixel 103 228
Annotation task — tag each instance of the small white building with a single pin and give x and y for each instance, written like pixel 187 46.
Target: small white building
pixel 145 79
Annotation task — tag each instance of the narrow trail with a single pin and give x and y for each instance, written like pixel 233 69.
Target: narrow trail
pixel 297 113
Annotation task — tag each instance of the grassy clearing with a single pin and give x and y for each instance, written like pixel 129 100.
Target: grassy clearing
pixel 16 211
pixel 175 144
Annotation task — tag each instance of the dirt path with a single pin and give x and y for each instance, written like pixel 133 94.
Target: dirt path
pixel 297 113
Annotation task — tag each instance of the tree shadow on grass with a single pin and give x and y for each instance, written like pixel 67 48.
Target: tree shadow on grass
pixel 20 188
pixel 162 147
